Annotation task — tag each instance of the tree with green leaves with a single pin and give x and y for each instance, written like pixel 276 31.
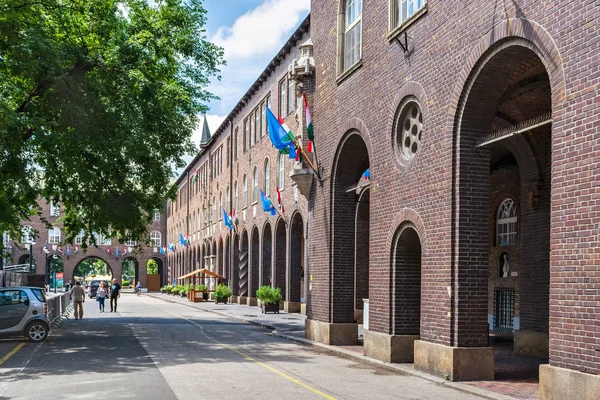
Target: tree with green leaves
pixel 98 101
pixel 152 267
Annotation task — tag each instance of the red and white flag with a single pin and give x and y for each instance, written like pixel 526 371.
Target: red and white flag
pixel 279 200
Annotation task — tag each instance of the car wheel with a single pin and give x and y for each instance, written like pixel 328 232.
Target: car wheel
pixel 36 331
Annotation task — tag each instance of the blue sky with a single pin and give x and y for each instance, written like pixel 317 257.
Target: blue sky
pixel 251 32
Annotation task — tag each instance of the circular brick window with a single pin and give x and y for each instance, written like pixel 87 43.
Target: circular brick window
pixel 409 128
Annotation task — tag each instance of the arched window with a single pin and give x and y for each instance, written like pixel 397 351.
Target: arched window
pixel 54 235
pixel 27 234
pixel 255 185
pixel 506 223
pixel 352 28
pixel 267 177
pixel 235 196
pixel 220 205
pixel 155 238
pixel 130 241
pixel 228 200
pixel 214 211
pixel 54 209
pixel 245 189
pixel 281 172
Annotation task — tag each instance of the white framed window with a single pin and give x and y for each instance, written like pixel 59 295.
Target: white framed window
pixel 54 209
pixel 235 196
pixel 54 235
pixel 228 199
pixel 79 238
pixel 245 190
pixel 281 172
pixel 403 10
pixel 352 33
pixel 255 185
pixel 263 126
pixel 155 238
pixel 257 124
pixel 214 211
pixel 6 239
pixel 27 234
pixel 106 241
pixel 506 223
pixel 220 214
pixel 291 103
pixel 282 97
pixel 156 215
pixel 267 177
pixel 252 129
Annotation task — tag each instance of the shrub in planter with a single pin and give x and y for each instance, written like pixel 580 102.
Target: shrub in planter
pixel 166 289
pixel 222 293
pixel 269 298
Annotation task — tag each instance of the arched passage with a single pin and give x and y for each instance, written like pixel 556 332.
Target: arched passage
pixel 503 129
pixel 226 259
pixel 297 261
pixel 235 268
pixel 154 274
pixel 130 270
pixel 254 264
pixel 267 252
pixel 243 270
pixel 219 269
pixel 281 257
pixel 406 292
pixel 352 160
pixel 92 267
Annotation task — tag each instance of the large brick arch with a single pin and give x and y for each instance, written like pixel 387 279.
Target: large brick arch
pixel 352 126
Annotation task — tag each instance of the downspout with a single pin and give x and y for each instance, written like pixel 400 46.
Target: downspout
pixel 187 218
pixel 231 241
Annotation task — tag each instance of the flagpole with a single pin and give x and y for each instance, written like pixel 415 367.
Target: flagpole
pixel 310 164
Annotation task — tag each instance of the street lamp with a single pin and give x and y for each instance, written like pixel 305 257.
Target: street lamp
pixel 31 244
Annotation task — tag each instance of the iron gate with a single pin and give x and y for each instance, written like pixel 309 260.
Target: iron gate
pixel 505 310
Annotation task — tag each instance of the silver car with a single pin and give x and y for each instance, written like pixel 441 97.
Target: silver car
pixel 23 312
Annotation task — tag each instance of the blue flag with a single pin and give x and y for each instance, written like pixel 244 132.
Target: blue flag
pixel 279 137
pixel 366 174
pixel 267 204
pixel 227 219
pixel 182 240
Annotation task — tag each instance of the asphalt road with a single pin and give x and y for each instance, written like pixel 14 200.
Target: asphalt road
pixel 159 350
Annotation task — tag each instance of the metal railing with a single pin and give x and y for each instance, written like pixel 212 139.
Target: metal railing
pixel 505 310
pixel 59 308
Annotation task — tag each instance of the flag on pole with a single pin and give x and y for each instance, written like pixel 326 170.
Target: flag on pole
pixel 76 249
pixel 366 175
pixel 109 251
pixel 227 220
pixel 162 250
pixel 183 240
pixel 59 249
pixel 68 250
pixel 124 251
pixel 291 149
pixel 117 252
pixel 46 249
pixel 267 203
pixel 234 220
pixel 279 200
pixel 195 176
pixel 309 126
pixel 277 133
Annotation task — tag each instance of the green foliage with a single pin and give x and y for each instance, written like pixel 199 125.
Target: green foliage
pixel 200 287
pixel 98 101
pixel 90 266
pixel 269 295
pixel 126 282
pixel 166 288
pixel 152 267
pixel 222 291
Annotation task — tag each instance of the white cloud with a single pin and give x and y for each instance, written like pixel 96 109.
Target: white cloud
pixel 262 30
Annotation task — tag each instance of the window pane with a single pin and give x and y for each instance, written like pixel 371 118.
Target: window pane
pixel 291 95
pixel 267 179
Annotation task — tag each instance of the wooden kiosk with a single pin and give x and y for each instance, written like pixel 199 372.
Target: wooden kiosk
pixel 197 277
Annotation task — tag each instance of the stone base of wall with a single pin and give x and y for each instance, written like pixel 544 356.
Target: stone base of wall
pixel 455 363
pixel 331 333
pixel 291 307
pixel 303 309
pixel 233 299
pixel 252 301
pixel 561 383
pixel 242 300
pixel 359 316
pixel 390 348
pixel 532 343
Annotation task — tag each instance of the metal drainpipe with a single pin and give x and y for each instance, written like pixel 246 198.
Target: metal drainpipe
pixel 187 218
pixel 231 241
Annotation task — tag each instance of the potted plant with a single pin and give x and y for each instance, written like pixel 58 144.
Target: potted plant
pixel 175 289
pixel 200 293
pixel 269 299
pixel 183 291
pixel 221 294
pixel 166 289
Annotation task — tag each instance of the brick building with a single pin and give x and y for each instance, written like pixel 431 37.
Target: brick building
pixel 55 242
pixel 477 122
pixel 236 162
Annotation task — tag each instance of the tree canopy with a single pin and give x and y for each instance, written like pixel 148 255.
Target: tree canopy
pixel 98 101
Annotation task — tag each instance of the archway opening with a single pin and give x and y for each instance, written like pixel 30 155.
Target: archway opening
pixel 267 252
pixel 130 272
pixel 154 274
pixel 255 261
pixel 297 260
pixel 243 271
pixel 350 222
pixel 92 268
pixel 235 268
pixel 503 215
pixel 280 258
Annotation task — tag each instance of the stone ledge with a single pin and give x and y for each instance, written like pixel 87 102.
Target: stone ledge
pixel 331 333
pixel 561 383
pixel 390 348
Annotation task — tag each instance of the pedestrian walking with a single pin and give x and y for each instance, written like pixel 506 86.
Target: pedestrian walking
pixel 78 297
pixel 101 295
pixel 115 293
pixel 138 288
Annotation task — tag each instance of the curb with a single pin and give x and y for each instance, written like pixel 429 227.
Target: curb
pixel 461 387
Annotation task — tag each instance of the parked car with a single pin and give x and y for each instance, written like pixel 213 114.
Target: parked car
pixel 94 287
pixel 23 312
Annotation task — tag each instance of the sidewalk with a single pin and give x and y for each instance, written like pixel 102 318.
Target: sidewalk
pixel 291 327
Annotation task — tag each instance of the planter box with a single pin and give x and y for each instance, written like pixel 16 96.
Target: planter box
pixel 220 300
pixel 274 308
pixel 200 295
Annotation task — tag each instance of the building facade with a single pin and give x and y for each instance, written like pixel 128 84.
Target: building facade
pixel 456 189
pixel 50 245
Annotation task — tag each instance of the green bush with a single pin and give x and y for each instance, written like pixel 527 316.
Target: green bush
pixel 126 282
pixel 166 288
pixel 222 291
pixel 269 295
pixel 200 287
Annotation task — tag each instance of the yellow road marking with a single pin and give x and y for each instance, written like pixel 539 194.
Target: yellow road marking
pixel 12 353
pixel 262 364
